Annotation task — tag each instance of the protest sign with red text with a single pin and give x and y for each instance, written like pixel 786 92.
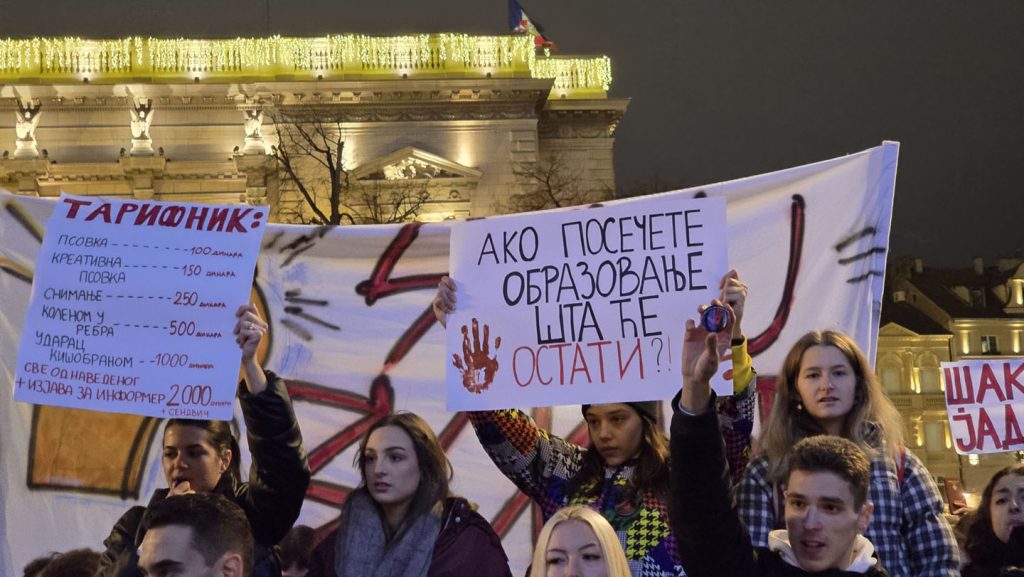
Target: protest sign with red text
pixel 985 401
pixel 133 307
pixel 582 306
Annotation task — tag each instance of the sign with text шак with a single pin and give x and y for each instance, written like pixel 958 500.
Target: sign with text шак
pixel 985 402
pixel 580 306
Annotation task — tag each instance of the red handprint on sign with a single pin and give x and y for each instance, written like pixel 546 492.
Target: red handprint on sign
pixel 477 365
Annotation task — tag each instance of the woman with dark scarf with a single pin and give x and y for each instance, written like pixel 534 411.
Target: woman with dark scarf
pixel 403 520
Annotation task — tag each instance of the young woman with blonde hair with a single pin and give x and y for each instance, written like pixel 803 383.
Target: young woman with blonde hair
pixel 577 541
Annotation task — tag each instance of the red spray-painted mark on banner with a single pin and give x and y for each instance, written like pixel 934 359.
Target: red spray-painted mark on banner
pixel 797 224
pixel 380 400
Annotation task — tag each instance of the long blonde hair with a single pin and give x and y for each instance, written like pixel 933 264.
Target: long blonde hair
pixel 873 423
pixel 611 549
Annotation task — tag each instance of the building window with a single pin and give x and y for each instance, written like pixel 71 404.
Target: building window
pixel 977 298
pixel 989 345
pixel 891 379
pixel 929 377
pixel 935 436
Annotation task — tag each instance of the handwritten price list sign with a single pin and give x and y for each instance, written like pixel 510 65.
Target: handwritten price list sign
pixel 582 306
pixel 133 307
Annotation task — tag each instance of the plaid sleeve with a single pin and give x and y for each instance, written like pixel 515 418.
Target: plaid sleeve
pixel 755 501
pixel 529 456
pixel 931 546
pixel 736 413
pixel 736 421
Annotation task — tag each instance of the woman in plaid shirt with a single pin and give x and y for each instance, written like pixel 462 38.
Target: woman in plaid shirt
pixel 826 386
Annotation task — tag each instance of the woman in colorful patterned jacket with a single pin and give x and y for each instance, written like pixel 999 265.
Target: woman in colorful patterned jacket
pixel 623 474
pixel 826 387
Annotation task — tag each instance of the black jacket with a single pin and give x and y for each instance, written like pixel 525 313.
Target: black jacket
pixel 990 557
pixel 712 540
pixel 272 498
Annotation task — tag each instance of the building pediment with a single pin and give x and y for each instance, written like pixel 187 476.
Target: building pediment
pixel 895 330
pixel 411 163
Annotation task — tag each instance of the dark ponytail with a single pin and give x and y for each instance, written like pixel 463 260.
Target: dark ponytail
pixel 222 439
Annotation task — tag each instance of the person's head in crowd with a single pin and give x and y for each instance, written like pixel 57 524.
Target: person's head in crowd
pixel 577 541
pixel 76 563
pixel 1000 517
pixel 295 551
pixel 197 454
pixel 827 505
pixel 826 386
pixel 196 535
pixel 403 467
pixel 36 566
pixel 622 432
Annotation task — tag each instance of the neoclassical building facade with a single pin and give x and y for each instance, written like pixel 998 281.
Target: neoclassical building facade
pixel 941 314
pixel 192 120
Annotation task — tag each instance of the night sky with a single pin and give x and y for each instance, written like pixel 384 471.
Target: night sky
pixel 724 89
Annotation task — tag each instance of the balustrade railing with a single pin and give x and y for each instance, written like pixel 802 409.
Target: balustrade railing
pixel 338 57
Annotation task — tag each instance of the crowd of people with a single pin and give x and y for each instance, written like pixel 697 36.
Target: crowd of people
pixel 830 490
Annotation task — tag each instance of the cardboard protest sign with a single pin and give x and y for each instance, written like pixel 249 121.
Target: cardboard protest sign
pixel 985 402
pixel 133 307
pixel 584 306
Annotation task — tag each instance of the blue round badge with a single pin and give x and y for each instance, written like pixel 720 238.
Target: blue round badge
pixel 715 318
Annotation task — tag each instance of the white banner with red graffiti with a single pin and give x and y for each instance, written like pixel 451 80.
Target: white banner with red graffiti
pixel 985 403
pixel 353 333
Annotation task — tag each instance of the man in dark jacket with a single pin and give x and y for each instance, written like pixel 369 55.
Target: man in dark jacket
pixel 196 535
pixel 826 503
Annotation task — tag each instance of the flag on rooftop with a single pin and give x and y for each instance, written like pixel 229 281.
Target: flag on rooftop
pixel 520 23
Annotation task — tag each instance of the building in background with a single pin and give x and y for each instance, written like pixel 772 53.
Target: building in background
pixel 931 315
pixel 465 121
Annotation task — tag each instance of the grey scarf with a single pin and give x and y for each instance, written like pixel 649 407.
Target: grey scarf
pixel 362 549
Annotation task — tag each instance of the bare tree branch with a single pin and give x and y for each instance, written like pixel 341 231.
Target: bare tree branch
pixel 311 157
pixel 551 182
